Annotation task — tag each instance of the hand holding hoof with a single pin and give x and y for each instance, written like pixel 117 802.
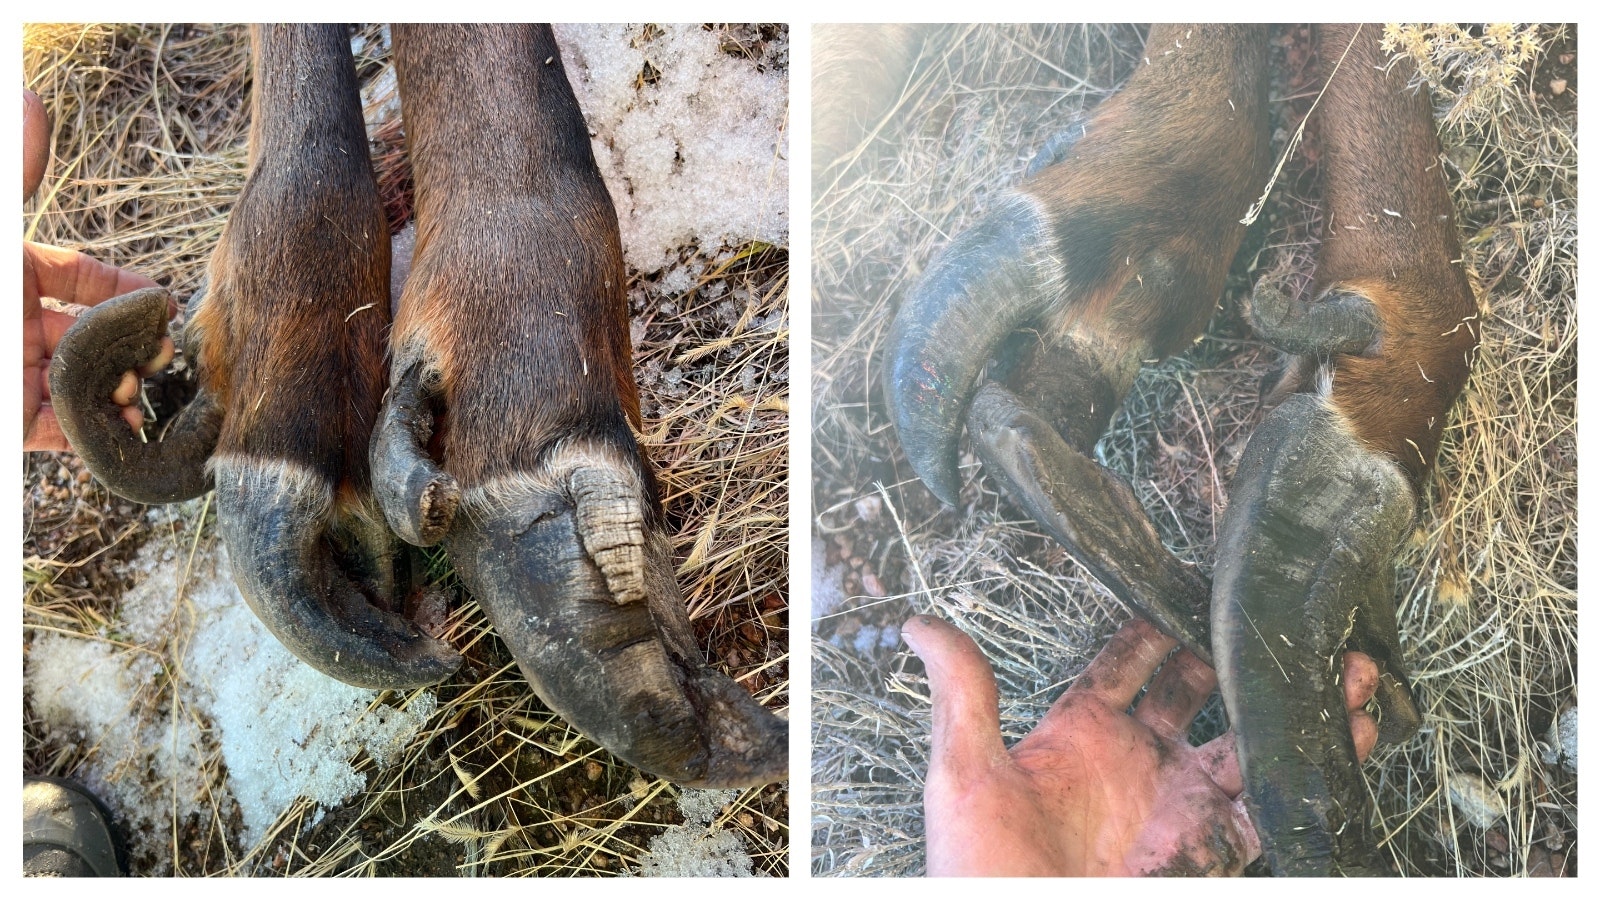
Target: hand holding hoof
pixel 89 385
pixel 1305 569
pixel 1092 790
pixel 580 586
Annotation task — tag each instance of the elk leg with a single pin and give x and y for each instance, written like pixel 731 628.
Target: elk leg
pixel 513 380
pixel 1329 483
pixel 1125 239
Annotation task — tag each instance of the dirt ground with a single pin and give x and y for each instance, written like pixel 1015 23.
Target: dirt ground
pixel 149 152
pixel 1488 581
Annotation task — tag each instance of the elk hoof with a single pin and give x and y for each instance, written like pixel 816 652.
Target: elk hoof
pixel 983 287
pixel 580 586
pixel 122 334
pixel 310 576
pixel 418 497
pixel 1304 571
pixel 1338 321
pixel 1094 515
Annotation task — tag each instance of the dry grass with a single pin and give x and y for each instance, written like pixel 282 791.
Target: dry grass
pixel 1489 579
pixel 149 154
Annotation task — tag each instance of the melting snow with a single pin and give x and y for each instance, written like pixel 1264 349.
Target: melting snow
pixel 281 729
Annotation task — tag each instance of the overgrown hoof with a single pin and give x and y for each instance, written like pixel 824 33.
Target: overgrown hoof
pixel 1093 513
pixel 122 334
pixel 313 582
pixel 1305 570
pixel 581 589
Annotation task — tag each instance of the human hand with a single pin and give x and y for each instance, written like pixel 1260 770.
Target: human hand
pixel 1092 790
pixel 69 277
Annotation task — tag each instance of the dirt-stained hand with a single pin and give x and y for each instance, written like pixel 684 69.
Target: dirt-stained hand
pixel 1093 789
pixel 69 277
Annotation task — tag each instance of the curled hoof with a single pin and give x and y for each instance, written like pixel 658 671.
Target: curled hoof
pixel 1304 571
pixel 580 586
pixel 309 577
pixel 1337 321
pixel 122 334
pixel 984 286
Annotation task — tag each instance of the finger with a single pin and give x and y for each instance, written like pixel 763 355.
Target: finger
pixel 966 703
pixel 162 358
pixel 1360 684
pixel 1123 666
pixel 35 142
pixel 127 389
pixel 1218 758
pixel 72 277
pixel 1360 679
pixel 134 416
pixel 1248 842
pixel 45 432
pixel 125 395
pixel 1176 696
pixel 54 324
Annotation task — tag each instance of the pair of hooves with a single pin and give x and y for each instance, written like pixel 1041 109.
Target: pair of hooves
pixel 1305 559
pixel 575 579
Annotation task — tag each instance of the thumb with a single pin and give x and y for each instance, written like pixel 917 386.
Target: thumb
pixel 35 142
pixel 966 703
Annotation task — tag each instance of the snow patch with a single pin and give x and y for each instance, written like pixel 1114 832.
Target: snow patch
pixel 697 848
pixel 225 691
pixel 696 153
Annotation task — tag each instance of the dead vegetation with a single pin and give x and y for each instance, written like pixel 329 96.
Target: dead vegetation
pixel 1489 578
pixel 149 153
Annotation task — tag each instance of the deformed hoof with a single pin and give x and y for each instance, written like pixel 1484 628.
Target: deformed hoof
pixel 984 286
pixel 1093 513
pixel 418 497
pixel 277 522
pixel 582 591
pixel 118 335
pixel 1304 571
pixel 1341 320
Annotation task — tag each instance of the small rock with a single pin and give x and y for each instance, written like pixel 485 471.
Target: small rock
pixel 1562 741
pixel 867 508
pixel 1558 86
pixel 1475 799
pixel 871 586
pixel 1543 864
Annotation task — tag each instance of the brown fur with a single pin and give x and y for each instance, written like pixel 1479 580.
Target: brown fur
pixel 1381 156
pixel 1156 187
pixel 516 299
pixel 286 345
